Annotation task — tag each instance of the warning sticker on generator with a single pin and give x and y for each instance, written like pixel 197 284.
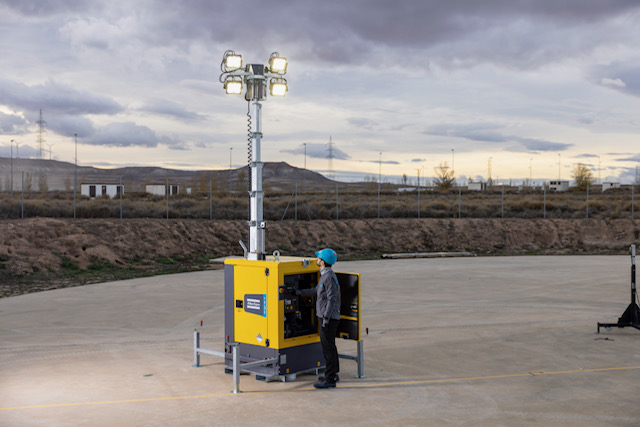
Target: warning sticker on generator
pixel 256 304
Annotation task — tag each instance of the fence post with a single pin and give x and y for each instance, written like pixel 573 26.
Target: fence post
pixel 337 209
pixel 632 201
pixel 236 367
pixel 587 200
pixel 121 191
pixel 210 202
pixel 544 209
pixel 418 194
pixel 22 200
pixel 196 348
pixel 167 191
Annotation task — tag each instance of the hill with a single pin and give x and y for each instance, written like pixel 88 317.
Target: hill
pixel 278 176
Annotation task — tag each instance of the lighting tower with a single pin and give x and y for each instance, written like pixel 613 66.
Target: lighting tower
pixel 257 78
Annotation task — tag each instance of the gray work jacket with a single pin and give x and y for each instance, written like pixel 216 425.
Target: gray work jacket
pixel 327 295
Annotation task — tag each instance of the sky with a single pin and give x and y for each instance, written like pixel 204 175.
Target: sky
pixel 507 89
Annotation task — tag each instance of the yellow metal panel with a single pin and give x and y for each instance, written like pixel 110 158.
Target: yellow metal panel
pixel 250 327
pixel 250 279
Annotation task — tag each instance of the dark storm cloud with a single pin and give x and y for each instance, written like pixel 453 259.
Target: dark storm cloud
pixel 55 97
pixel 125 134
pixel 491 133
pixel 518 33
pixel 318 151
pixel 172 109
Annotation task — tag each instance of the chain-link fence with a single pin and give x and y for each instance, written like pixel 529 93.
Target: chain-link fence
pixel 340 202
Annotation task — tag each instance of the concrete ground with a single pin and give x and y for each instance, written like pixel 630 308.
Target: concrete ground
pixel 504 341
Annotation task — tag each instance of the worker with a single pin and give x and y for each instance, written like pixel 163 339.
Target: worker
pixel 328 312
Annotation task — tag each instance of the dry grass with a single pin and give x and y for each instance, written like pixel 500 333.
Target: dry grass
pixel 347 204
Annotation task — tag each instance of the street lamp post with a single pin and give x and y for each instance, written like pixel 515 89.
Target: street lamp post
pixel 453 174
pixel 230 153
pixel 257 78
pixel 418 192
pixel 75 178
pixel 11 185
pixel 379 181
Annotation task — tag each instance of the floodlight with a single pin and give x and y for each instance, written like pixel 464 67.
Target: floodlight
pixel 233 61
pixel 278 64
pixel 278 88
pixel 233 87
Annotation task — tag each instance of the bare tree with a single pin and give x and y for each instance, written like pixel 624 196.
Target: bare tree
pixel 444 176
pixel 43 185
pixel 582 176
pixel 28 182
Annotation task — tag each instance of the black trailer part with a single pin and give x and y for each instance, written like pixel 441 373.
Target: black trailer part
pixel 631 316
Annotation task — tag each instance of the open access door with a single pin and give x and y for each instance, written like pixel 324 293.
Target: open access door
pixel 349 327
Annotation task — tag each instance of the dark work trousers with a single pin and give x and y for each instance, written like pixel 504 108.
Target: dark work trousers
pixel 329 349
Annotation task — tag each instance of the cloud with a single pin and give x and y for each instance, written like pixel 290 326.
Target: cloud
pixel 361 122
pixel 613 82
pixel 204 86
pixel 46 8
pixel 52 97
pixel 634 158
pixel 542 145
pixel 11 124
pixel 491 133
pixel 385 162
pixel 627 74
pixel 70 125
pixel 125 134
pixel 171 109
pixel 318 151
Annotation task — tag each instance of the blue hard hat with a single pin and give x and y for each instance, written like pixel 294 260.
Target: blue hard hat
pixel 329 256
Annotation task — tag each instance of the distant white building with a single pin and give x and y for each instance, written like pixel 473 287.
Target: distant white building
pixel 559 185
pixel 162 189
pixel 477 186
pixel 101 190
pixel 609 185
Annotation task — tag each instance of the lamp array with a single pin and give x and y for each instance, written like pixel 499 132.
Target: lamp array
pixel 235 77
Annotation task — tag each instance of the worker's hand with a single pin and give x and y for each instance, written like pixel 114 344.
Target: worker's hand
pixel 325 323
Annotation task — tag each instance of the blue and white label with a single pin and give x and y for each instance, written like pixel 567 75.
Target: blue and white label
pixel 256 304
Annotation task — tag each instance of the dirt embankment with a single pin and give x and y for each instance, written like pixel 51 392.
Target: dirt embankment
pixel 44 244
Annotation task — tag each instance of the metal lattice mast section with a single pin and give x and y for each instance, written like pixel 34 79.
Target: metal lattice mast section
pixel 257 224
pixel 40 140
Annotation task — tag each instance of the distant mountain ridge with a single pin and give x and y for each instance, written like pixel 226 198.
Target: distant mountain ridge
pixel 278 176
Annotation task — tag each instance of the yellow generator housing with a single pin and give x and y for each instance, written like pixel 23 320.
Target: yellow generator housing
pixel 266 318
